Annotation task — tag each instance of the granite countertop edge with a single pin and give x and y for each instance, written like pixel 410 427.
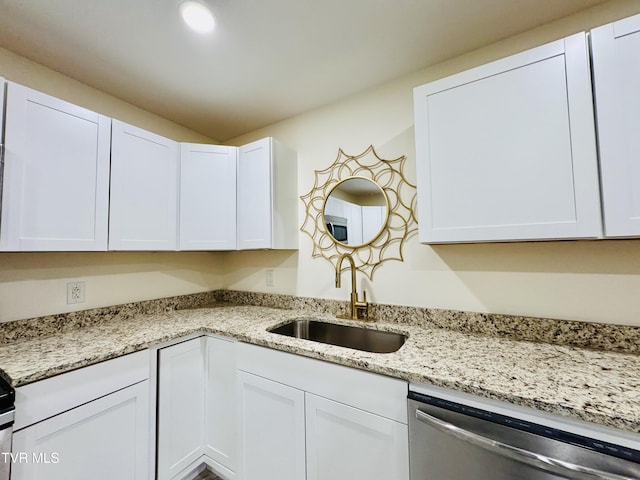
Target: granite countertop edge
pixel 593 386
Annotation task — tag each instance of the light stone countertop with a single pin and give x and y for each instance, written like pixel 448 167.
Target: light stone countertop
pixel 596 386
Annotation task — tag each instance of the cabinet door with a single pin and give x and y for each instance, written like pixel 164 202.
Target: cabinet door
pixel 346 443
pixel 506 151
pixel 105 439
pixel 372 221
pixel 144 184
pixel 254 195
pixel 180 407
pixel 2 91
pixel 353 213
pixel 207 197
pixel 616 70
pixel 55 192
pixel 335 206
pixel 271 429
pixel 220 441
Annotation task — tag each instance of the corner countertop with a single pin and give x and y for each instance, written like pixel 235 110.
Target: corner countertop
pixel 595 386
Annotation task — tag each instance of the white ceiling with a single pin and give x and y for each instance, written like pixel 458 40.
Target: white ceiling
pixel 267 60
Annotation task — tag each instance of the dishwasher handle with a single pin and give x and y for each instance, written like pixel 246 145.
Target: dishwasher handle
pixel 543 462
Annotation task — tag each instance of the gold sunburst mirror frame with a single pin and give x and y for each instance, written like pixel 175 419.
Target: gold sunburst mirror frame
pixel 400 221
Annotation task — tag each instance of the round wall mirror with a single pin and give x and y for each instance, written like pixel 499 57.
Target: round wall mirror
pixel 355 211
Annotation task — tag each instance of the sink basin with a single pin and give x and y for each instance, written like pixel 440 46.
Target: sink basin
pixel 358 338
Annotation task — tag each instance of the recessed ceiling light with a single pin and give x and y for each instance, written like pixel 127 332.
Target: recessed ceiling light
pixel 197 16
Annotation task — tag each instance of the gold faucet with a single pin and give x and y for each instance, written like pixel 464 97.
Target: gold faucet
pixel 356 305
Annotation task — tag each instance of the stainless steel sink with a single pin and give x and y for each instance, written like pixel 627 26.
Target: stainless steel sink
pixel 359 338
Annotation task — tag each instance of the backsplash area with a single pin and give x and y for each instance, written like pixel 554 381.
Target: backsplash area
pixel 63 322
pixel 617 338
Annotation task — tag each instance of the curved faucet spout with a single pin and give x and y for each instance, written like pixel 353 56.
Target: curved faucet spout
pixel 352 265
pixel 356 305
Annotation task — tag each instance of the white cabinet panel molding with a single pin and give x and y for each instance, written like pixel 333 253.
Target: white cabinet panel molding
pixel 351 424
pixel 616 69
pixel 197 408
pixel 207 197
pixel 267 196
pixel 144 186
pixel 506 151
pixel 55 192
pixel 104 439
pixel 220 440
pixel 345 443
pixel 180 407
pixel 271 429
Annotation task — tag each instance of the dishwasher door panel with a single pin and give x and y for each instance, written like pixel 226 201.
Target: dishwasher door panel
pixel 448 445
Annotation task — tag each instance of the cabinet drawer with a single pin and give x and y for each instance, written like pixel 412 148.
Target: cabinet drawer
pixel 39 400
pixel 107 438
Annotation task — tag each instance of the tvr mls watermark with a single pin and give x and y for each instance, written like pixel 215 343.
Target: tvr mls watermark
pixel 34 457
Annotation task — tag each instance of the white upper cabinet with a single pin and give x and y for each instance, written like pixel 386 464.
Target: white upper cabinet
pixel 2 92
pixel 207 197
pixel 506 151
pixel 354 216
pixel 144 184
pixel 616 70
pixel 373 216
pixel 55 188
pixel 267 196
pixel 3 87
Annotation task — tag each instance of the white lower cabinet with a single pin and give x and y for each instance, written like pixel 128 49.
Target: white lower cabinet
pixel 105 439
pixel 301 418
pixel 271 429
pixel 196 408
pixel 93 422
pixel 346 443
pixel 180 407
pixel 220 439
pixel 342 442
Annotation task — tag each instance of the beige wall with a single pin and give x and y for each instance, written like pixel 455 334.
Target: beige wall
pixel 34 284
pixel 582 280
pixel 25 72
pixel 594 281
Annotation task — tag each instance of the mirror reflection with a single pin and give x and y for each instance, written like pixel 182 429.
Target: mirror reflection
pixel 356 211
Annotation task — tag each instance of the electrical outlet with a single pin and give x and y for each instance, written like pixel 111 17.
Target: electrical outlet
pixel 270 278
pixel 75 292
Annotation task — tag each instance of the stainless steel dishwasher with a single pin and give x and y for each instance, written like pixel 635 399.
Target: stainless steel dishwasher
pixel 456 441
